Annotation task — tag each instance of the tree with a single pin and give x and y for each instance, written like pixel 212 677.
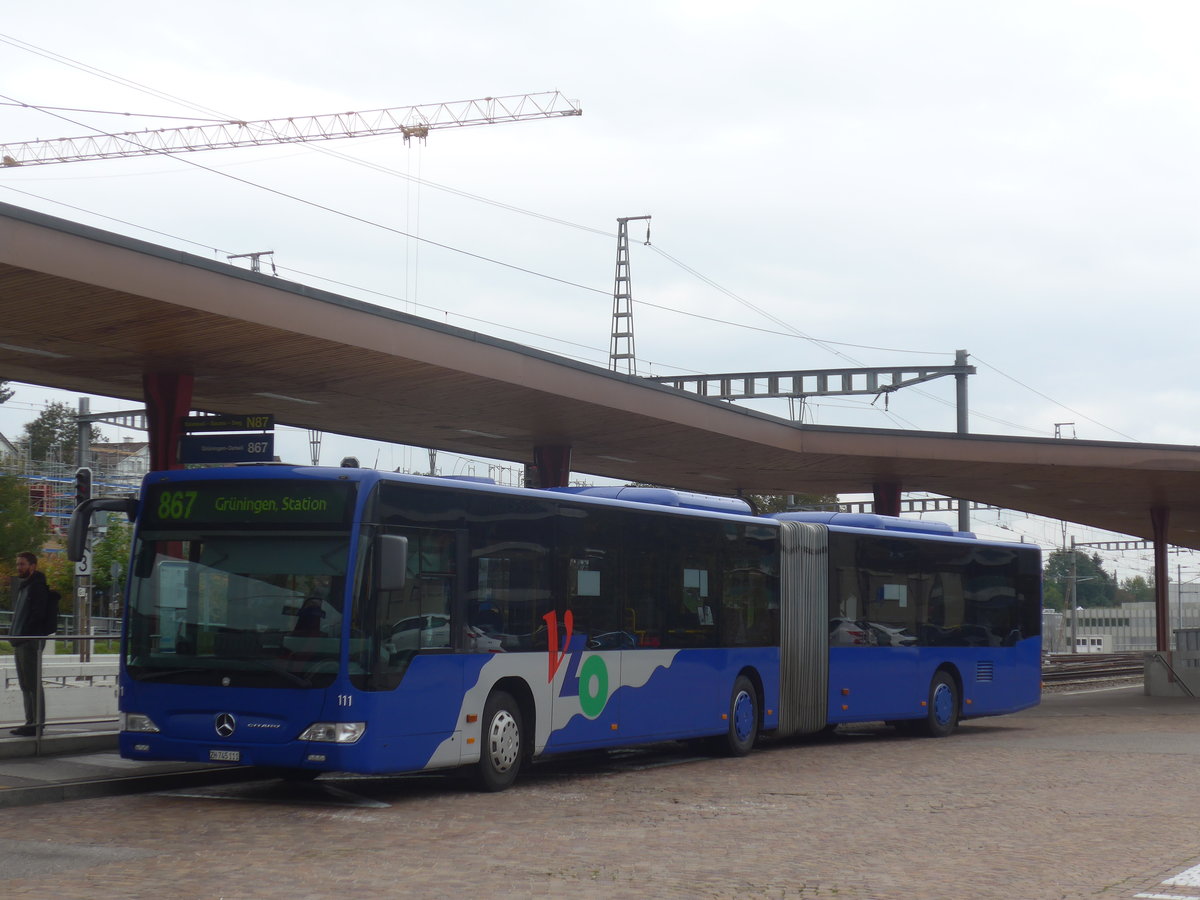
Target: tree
pixel 1137 589
pixel 5 391
pixel 768 504
pixel 112 548
pixel 1093 586
pixel 60 575
pixel 54 434
pixel 20 529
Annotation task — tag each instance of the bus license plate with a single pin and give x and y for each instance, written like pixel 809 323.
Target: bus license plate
pixel 225 755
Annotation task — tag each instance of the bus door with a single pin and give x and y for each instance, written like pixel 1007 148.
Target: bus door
pixel 421 616
pixel 416 632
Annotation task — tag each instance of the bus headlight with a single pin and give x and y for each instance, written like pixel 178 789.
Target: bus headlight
pixel 334 732
pixel 137 722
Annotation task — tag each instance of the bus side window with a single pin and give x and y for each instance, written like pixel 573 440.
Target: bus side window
pixel 508 589
pixel 589 545
pixel 846 613
pixel 649 588
pixel 418 617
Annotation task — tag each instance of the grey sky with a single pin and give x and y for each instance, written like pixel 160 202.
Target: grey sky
pixel 899 179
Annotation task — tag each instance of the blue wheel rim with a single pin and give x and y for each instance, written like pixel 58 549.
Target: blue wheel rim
pixel 743 716
pixel 943 704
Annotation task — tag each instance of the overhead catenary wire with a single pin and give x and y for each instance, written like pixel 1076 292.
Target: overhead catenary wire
pixel 353 217
pixel 110 112
pixel 829 346
pixel 107 76
pixel 218 251
pixel 1052 400
pixel 216 115
pixel 793 333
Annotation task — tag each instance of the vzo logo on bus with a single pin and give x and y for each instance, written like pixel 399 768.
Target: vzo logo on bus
pixel 590 681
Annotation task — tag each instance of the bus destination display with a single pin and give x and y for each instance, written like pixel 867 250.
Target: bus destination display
pixel 259 504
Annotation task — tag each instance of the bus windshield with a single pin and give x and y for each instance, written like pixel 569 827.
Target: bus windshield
pixel 253 610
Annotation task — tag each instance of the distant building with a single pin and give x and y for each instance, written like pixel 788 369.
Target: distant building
pixel 121 463
pixel 117 468
pixel 1131 626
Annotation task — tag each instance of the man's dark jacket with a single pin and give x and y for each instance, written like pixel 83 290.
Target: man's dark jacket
pixel 34 611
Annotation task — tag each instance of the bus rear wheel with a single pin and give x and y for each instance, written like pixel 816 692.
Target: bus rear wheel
pixel 500 755
pixel 742 730
pixel 941 717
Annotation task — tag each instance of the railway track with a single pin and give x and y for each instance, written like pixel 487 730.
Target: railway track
pixel 1068 668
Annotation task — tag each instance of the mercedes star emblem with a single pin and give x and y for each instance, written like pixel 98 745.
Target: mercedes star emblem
pixel 225 724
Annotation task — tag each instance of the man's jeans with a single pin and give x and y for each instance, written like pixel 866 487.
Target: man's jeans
pixel 28 655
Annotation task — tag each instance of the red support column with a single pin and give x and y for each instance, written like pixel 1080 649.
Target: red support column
pixel 552 464
pixel 1159 517
pixel 887 498
pixel 168 398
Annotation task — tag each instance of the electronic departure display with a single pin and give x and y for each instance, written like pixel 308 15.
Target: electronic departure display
pixel 255 504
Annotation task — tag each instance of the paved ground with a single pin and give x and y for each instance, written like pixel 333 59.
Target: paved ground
pixel 1090 795
pixel 75 762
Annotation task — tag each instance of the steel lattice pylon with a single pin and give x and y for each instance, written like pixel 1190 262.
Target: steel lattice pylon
pixel 621 345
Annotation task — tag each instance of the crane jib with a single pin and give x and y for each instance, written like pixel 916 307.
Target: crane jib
pixel 408 121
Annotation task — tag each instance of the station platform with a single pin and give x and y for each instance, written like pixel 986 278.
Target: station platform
pixel 79 761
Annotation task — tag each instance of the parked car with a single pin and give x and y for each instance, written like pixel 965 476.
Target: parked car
pixel 480 639
pixel 844 632
pixel 887 636
pixel 415 632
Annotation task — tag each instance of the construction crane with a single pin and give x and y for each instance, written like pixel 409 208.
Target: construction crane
pixel 409 121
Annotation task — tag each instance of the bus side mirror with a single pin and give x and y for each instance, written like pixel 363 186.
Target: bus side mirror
pixel 82 518
pixel 392 553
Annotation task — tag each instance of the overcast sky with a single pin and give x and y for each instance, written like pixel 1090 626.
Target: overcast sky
pixel 831 184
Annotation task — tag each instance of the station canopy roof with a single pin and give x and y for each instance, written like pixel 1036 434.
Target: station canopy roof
pixel 90 311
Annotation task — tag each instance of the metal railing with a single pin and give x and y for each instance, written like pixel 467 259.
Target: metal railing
pixel 64 674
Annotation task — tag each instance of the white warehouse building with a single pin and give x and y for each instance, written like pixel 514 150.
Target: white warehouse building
pixel 1120 629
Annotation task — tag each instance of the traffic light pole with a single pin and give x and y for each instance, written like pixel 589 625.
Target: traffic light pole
pixel 83 571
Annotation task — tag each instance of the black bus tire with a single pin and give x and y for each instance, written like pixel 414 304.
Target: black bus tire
pixel 502 747
pixel 941 718
pixel 742 730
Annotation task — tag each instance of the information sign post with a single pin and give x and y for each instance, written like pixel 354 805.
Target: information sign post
pixel 216 439
pixel 83 571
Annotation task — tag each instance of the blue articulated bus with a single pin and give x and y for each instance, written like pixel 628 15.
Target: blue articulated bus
pixel 308 620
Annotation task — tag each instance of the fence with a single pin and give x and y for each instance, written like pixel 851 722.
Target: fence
pixel 86 710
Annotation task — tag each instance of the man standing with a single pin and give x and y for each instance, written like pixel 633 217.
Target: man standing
pixel 32 615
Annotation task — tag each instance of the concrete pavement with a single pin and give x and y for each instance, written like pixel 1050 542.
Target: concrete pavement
pixel 73 762
pixel 1090 795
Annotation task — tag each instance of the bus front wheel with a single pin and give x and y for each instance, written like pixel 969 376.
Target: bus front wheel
pixel 941 718
pixel 500 755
